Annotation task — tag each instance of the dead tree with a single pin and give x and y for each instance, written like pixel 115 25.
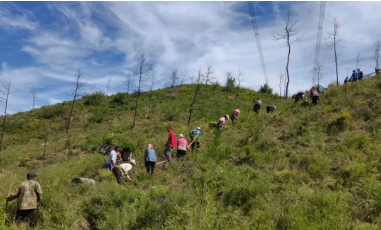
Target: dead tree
pixel 317 73
pixel 291 31
pixel 5 91
pixel 208 75
pixel 357 60
pixel 143 70
pixel 127 83
pixel 280 84
pixel 77 86
pixel 34 96
pixel 199 79
pixel 183 78
pixel 376 54
pixel 239 80
pixel 153 78
pixel 174 78
pixel 336 38
pixel 108 85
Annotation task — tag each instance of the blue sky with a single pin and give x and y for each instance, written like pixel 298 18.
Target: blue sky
pixel 42 44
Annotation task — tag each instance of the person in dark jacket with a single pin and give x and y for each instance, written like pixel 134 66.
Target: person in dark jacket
pixel 298 96
pixel 361 75
pixel 355 75
pixel 257 106
pixel 150 159
pixel 270 108
pixel 346 80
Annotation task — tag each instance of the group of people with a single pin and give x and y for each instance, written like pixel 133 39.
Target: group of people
pixel 114 159
pixel 357 75
pixel 315 92
pixel 257 107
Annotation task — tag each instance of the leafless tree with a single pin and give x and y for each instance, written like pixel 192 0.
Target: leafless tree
pixel 127 83
pixel 77 87
pixel 143 70
pixel 280 84
pixel 290 34
pixel 108 85
pixel 376 54
pixel 34 96
pixel 208 75
pixel 5 91
pixel 317 73
pixel 183 76
pixel 174 78
pixel 92 88
pixel 239 80
pixel 357 60
pixel 153 78
pixel 199 80
pixel 336 38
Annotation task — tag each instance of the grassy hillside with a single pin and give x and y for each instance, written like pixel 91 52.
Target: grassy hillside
pixel 301 167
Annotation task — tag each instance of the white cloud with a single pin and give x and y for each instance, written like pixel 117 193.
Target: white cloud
pixel 14 17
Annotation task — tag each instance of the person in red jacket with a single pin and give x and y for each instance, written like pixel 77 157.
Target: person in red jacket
pixel 171 143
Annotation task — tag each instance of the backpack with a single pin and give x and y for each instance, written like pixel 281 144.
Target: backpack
pixel 104 149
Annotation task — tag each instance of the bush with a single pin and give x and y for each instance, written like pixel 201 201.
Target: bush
pixel 99 114
pixel 120 99
pixel 94 99
pixel 339 122
pixel 49 112
pixel 265 89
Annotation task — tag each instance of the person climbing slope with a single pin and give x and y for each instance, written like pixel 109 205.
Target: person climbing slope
pixel 234 115
pixel 320 89
pixel 270 108
pixel 298 96
pixel 361 75
pixel 182 147
pixel 150 159
pixel 123 169
pixel 355 75
pixel 195 133
pixel 315 96
pixel 257 106
pixel 29 195
pixel 222 120
pixel 111 159
pixel 171 143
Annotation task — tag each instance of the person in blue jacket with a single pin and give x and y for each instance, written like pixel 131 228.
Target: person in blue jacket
pixel 361 75
pixel 150 159
pixel 355 75
pixel 195 133
pixel 320 89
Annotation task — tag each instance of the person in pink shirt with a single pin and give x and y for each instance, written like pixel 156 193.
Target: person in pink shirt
pixel 222 120
pixel 234 115
pixel 182 147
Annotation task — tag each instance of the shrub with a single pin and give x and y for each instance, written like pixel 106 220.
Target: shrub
pixel 120 98
pixel 99 114
pixel 94 99
pixel 48 112
pixel 339 122
pixel 265 89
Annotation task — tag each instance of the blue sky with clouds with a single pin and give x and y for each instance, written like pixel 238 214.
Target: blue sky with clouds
pixel 42 44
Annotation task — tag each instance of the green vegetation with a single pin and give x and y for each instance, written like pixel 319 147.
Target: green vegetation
pixel 300 167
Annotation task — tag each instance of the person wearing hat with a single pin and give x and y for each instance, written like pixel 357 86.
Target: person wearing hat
pixel 150 159
pixel 361 75
pixel 123 168
pixel 111 159
pixel 182 147
pixel 29 195
pixel 195 133
pixel 222 120
pixel 257 106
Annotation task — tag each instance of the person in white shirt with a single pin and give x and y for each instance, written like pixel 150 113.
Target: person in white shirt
pixel 123 168
pixel 111 159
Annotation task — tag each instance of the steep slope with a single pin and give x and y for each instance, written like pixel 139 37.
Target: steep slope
pixel 301 167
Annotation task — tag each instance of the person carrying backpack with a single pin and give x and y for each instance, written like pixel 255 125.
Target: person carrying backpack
pixel 234 115
pixel 361 75
pixel 195 133
pixel 257 106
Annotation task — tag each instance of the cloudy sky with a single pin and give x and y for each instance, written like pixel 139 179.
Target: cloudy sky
pixel 43 44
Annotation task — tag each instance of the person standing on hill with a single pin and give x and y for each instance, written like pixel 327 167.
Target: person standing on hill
pixel 171 143
pixel 150 159
pixel 234 115
pixel 361 75
pixel 195 133
pixel 355 75
pixel 182 147
pixel 257 106
pixel 111 159
pixel 29 195
pixel 123 168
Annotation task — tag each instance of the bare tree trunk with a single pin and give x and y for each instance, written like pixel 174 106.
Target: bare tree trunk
pixel 142 74
pixel 78 85
pixel 335 37
pixel 34 96
pixel 198 87
pixel 150 93
pixel 337 73
pixel 6 87
pixel 108 85
pixel 288 62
